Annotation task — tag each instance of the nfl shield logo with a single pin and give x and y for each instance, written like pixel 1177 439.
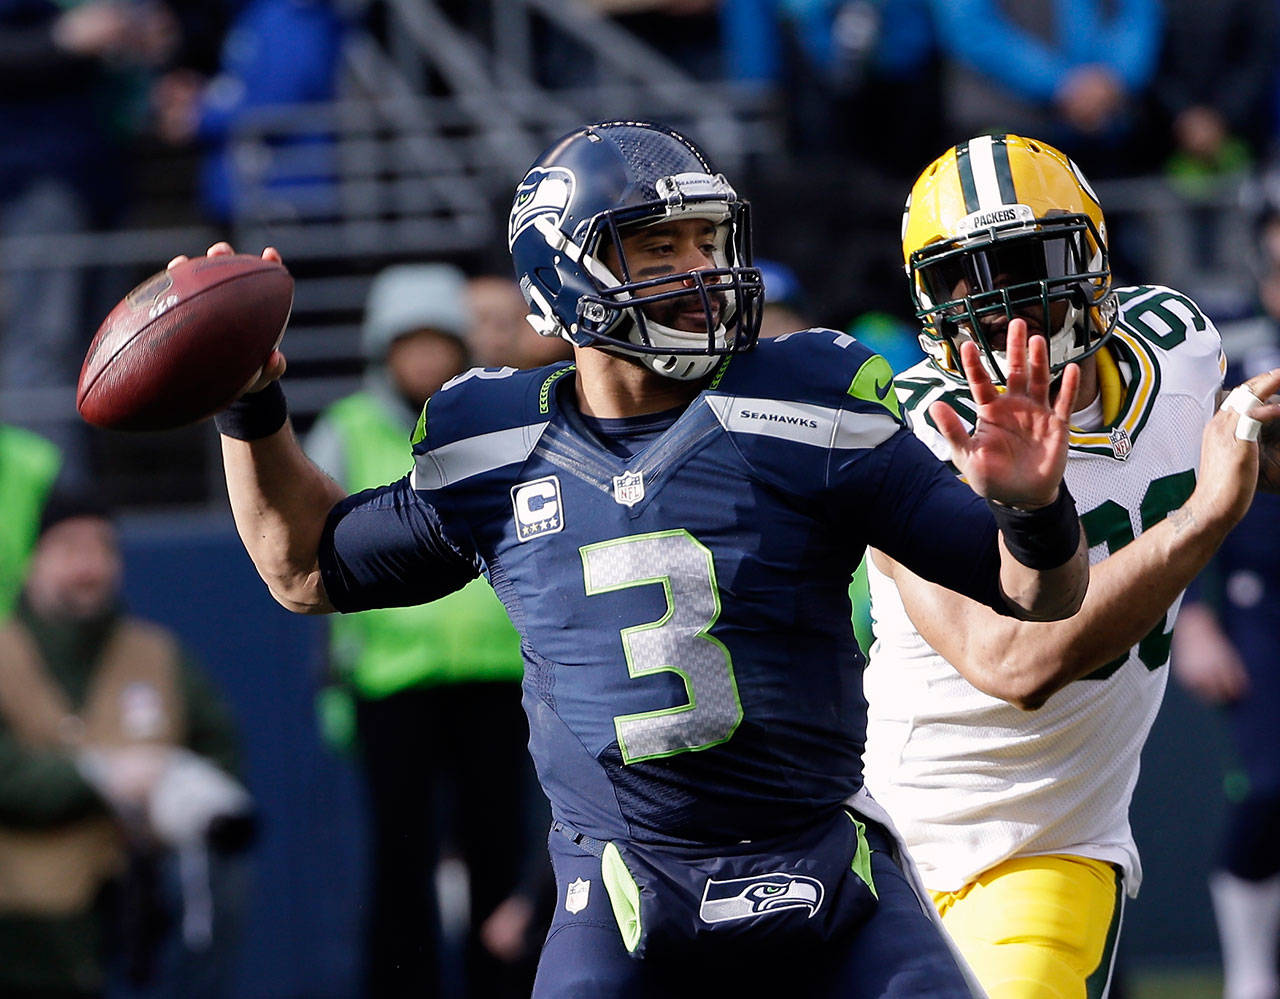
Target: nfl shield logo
pixel 575 899
pixel 1121 446
pixel 628 488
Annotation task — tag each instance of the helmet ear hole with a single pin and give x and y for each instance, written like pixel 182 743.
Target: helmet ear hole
pixel 549 278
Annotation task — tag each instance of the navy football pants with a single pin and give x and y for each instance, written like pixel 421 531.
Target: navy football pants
pixel 898 954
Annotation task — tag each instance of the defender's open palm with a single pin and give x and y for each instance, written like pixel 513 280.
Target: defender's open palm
pixel 1018 450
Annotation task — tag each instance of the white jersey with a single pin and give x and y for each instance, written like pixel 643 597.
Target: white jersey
pixel 971 780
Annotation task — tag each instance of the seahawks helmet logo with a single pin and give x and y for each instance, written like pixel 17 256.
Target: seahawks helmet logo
pixel 544 191
pixel 766 894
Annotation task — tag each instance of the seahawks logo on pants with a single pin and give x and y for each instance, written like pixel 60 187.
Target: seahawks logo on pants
pixel 763 895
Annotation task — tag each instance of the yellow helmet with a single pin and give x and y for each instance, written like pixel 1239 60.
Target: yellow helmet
pixel 1005 226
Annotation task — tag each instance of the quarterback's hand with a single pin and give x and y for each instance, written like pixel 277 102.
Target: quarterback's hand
pixel 1018 449
pixel 276 363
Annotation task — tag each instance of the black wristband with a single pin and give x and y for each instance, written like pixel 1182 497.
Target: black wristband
pixel 254 415
pixel 1044 538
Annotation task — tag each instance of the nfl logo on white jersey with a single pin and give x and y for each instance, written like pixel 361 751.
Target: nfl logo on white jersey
pixel 576 898
pixel 628 488
pixel 538 508
pixel 1121 445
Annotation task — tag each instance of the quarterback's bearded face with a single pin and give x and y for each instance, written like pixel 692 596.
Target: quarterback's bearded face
pixel 677 247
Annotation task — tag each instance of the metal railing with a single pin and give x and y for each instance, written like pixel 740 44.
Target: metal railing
pixel 393 175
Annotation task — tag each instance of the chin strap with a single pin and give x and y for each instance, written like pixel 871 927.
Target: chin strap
pixel 681 368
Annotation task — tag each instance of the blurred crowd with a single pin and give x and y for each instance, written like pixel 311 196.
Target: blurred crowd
pixel 1224 653
pixel 122 819
pixel 867 90
pixel 1185 95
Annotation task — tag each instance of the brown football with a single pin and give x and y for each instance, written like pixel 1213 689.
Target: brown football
pixel 184 343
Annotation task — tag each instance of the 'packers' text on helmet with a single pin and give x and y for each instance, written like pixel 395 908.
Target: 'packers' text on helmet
pixel 581 196
pixel 1001 227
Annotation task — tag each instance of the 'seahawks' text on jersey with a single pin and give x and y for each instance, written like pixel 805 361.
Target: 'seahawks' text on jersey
pixel 971 780
pixel 691 675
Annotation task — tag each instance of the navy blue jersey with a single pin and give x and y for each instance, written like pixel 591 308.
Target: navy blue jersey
pixel 1246 569
pixel 1243 583
pixel 691 671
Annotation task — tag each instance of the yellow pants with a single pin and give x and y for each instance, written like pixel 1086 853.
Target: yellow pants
pixel 1039 927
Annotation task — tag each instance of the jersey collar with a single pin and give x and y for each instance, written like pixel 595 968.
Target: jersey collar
pixel 1126 405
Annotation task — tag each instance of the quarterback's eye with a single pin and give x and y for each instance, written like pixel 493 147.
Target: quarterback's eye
pixel 654 248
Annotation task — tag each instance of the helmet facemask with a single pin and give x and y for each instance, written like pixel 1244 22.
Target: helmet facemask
pixel 629 310
pixel 1001 227
pixel 1054 272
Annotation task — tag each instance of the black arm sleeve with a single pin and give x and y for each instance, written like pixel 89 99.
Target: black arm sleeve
pixel 387 547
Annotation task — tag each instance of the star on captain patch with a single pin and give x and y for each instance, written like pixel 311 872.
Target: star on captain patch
pixel 1121 446
pixel 576 898
pixel 628 488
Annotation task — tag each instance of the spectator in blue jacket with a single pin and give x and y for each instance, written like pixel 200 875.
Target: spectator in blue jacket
pixel 292 174
pixel 1074 72
pixel 60 170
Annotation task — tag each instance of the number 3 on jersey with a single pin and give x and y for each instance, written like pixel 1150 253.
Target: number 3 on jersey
pixel 679 642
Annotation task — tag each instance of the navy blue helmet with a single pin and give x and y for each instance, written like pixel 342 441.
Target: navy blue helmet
pixel 574 201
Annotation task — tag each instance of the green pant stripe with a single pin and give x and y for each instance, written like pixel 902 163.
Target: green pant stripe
pixel 1098 984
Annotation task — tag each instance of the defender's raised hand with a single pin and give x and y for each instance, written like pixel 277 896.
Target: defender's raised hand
pixel 1018 449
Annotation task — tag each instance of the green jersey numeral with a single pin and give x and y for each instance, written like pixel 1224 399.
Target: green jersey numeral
pixel 1109 524
pixel 1174 319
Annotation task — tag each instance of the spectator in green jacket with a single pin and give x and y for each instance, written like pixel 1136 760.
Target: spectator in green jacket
pixel 435 688
pixel 29 465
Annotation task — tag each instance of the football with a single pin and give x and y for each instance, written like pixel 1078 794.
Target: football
pixel 184 343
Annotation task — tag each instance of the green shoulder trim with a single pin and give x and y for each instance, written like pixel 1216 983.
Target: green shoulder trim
pixel 874 383
pixel 544 393
pixel 420 428
pixel 721 368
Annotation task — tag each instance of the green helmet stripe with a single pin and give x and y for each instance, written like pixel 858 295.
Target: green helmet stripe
pixel 967 184
pixel 1004 173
